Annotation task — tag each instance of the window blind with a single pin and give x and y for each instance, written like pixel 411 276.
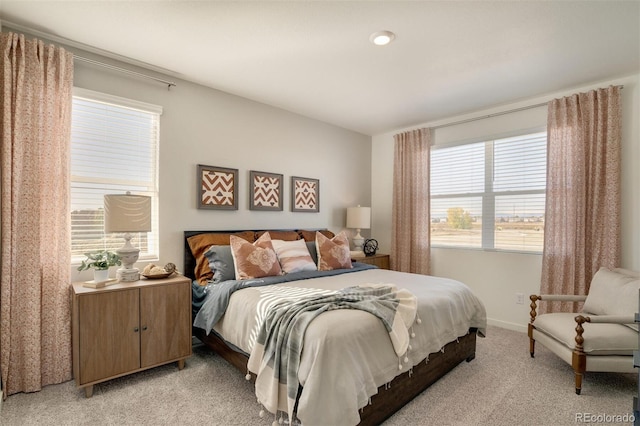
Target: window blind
pixel 520 167
pixel 490 194
pixel 114 149
pixel 458 170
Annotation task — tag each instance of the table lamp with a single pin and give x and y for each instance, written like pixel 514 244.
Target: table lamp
pixel 358 218
pixel 128 214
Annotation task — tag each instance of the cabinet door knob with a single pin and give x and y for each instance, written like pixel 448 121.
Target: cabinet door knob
pixel 135 329
pixel 144 328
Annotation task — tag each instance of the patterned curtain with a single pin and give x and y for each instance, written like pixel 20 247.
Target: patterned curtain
pixel 582 219
pixel 35 327
pixel 410 233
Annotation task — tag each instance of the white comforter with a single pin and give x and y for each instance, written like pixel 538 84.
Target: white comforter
pixel 347 354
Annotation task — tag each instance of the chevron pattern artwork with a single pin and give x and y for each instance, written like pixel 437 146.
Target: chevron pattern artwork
pixel 305 194
pixel 266 190
pixel 217 188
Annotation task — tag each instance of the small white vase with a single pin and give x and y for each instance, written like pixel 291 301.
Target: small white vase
pixel 100 275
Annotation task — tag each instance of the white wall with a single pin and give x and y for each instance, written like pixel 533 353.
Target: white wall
pixel 200 125
pixel 495 276
pixel 205 126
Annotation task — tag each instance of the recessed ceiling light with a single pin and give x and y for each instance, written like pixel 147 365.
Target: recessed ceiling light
pixel 382 38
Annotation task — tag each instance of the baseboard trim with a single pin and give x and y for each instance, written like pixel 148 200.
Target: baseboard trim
pixel 508 325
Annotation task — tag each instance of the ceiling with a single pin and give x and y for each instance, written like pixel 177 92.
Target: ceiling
pixel 315 58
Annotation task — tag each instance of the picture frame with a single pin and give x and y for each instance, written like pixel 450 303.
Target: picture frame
pixel 217 188
pixel 265 191
pixel 305 195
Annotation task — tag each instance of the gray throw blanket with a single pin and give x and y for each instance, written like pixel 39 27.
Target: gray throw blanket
pixel 276 356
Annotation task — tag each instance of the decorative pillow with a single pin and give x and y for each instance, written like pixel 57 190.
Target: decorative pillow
pixel 201 242
pixel 311 246
pixel 221 263
pixel 311 235
pixel 333 253
pixel 613 292
pixel 293 256
pixel 254 260
pixel 280 235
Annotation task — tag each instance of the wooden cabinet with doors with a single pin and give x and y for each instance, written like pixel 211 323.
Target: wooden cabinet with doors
pixel 129 327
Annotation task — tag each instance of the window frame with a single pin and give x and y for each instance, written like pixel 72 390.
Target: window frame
pixel 488 195
pixel 153 237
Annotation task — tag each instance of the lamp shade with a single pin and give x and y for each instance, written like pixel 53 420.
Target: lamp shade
pixel 359 217
pixel 127 213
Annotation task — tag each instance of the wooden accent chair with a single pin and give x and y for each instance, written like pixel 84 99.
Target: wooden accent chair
pixel 600 338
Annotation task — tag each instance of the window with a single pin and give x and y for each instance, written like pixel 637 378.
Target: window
pixel 114 149
pixel 490 194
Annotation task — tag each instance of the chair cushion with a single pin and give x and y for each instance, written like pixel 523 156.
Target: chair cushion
pixel 613 292
pixel 599 339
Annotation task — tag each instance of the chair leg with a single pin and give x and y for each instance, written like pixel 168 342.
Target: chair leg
pixel 532 346
pixel 532 343
pixel 579 365
pixel 578 383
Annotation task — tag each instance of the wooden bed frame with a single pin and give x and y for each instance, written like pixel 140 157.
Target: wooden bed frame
pixel 390 397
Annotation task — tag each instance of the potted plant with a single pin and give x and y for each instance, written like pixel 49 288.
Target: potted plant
pixel 100 261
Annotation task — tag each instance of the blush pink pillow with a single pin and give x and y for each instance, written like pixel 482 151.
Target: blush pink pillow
pixel 254 260
pixel 333 253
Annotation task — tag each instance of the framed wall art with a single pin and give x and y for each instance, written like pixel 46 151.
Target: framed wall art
pixel 217 188
pixel 305 194
pixel 265 191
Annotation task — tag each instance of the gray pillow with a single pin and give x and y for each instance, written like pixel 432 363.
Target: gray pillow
pixel 221 263
pixel 313 251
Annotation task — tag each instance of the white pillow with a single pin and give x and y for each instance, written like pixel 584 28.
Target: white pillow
pixel 293 256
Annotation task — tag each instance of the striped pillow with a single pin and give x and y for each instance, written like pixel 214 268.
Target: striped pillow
pixel 293 256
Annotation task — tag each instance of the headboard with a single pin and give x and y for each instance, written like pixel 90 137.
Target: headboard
pixel 189 262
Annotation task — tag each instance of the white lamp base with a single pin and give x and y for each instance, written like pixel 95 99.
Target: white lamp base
pixel 128 275
pixel 357 254
pixel 128 256
pixel 358 241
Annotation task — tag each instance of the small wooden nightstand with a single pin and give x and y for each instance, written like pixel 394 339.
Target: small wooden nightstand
pixel 380 260
pixel 129 327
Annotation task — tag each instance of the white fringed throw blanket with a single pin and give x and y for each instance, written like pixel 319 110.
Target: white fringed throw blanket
pixel 275 358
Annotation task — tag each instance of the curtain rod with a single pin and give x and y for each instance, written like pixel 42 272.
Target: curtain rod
pixel 123 70
pixel 495 114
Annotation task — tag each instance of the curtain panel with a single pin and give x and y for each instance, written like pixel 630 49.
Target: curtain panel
pixel 35 326
pixel 582 218
pixel 410 232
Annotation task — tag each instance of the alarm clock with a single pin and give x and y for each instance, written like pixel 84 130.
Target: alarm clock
pixel 370 247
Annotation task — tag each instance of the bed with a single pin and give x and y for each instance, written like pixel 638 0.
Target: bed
pixel 347 342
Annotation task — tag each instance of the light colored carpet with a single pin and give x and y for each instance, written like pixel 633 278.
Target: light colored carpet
pixel 502 386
